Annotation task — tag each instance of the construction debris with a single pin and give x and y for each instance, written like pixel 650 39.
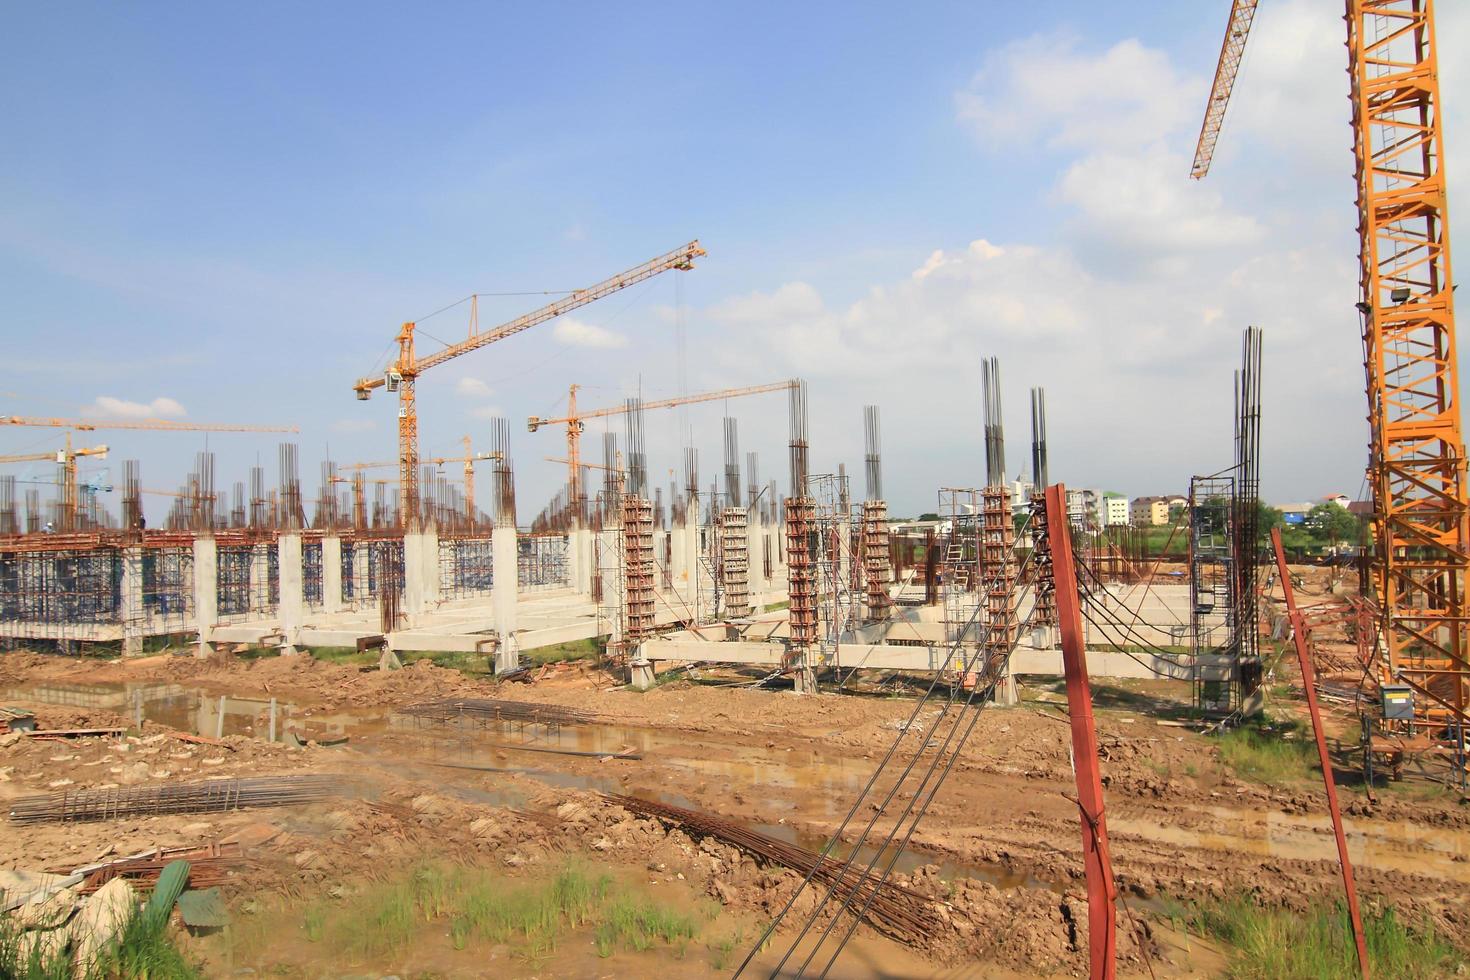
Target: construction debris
pixel 200 797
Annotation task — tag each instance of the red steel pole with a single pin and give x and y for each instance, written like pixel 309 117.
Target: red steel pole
pixel 1102 929
pixel 1309 681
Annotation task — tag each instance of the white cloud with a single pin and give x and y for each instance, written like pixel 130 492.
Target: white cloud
pixel 1129 306
pixel 120 408
pixel 354 425
pixel 472 388
pixel 571 332
pixel 1044 90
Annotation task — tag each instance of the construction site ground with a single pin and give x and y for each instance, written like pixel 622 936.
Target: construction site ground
pixel 1000 846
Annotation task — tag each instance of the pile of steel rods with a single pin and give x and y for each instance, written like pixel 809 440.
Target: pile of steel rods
pixel 494 710
pixel 201 797
pixel 895 911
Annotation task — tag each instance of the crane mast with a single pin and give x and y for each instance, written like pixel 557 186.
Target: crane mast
pixel 402 376
pixel 1417 449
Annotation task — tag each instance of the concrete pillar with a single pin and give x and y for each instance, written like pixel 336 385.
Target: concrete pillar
pixel 641 673
pixel 805 677
pixel 292 608
pixel 361 570
pixel 130 610
pixel 505 593
pixel 579 546
pixel 691 555
pixel 414 591
pixel 258 590
pixel 206 591
pixel 678 557
pixel 331 574
pixel 430 557
pixel 756 558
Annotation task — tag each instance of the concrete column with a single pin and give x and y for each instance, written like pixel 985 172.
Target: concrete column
pixel 756 558
pixel 583 568
pixel 430 558
pixel 641 673
pixel 413 576
pixel 258 591
pixel 130 610
pixel 691 555
pixel 331 574
pixel 505 594
pixel 292 609
pixel 678 557
pixel 206 591
pixel 361 566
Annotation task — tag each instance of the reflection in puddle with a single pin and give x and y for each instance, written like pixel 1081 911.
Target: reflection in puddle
pixel 1401 846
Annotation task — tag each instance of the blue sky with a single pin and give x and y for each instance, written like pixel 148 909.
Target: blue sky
pixel 223 215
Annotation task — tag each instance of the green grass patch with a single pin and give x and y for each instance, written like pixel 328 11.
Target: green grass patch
pixel 636 924
pixel 589 649
pixel 1263 753
pixel 1282 945
pixel 474 907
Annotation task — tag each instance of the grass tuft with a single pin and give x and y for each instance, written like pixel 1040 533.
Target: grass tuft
pixel 1265 756
pixel 1282 945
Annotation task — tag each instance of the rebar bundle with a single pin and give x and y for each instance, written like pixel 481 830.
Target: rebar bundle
pixel 1247 488
pixel 732 463
pixel 637 485
pixel 872 460
pixel 995 450
pixel 1039 476
pixel 898 912
pixel 799 446
pixel 752 474
pixel 502 473
pixel 203 797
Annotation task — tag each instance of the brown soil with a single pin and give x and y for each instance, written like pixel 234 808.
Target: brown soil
pixel 1182 826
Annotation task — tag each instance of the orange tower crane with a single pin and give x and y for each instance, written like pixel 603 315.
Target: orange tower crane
pixel 1416 451
pixel 574 420
pixel 402 376
pixel 67 460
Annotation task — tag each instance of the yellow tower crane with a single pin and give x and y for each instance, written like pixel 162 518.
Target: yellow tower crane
pixel 574 420
pixel 402 376
pixel 1416 452
pixel 69 486
pixel 67 459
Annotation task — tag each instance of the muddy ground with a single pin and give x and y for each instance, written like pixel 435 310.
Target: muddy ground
pixel 999 848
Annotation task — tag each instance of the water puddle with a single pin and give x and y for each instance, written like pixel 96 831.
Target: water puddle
pixel 824 785
pixel 1400 846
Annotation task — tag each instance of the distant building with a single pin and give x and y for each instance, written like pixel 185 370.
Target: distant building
pixel 1150 511
pixel 1340 499
pixel 1295 514
pixel 1115 511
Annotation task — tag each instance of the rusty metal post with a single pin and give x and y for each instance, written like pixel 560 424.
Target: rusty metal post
pixel 1102 929
pixel 1309 682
